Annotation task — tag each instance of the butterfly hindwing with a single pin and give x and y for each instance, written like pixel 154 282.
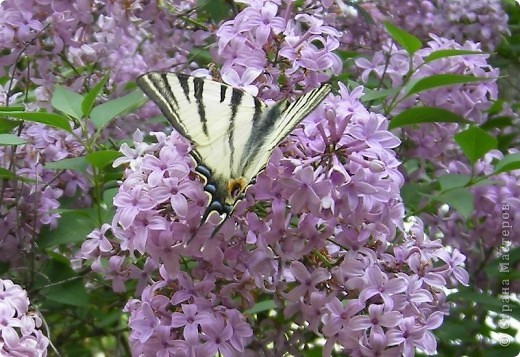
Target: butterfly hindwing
pixel 233 133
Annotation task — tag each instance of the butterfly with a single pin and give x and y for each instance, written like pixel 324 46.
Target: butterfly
pixel 232 132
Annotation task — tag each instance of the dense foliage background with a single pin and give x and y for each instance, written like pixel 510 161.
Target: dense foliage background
pixel 387 224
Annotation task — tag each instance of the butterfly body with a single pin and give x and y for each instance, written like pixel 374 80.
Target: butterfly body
pixel 232 132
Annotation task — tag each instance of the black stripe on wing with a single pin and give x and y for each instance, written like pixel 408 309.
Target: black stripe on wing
pixel 281 118
pixel 236 99
pixel 198 91
pixel 156 86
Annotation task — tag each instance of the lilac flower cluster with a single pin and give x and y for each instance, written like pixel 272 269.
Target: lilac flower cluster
pixel 20 333
pixel 483 21
pixel 468 100
pixel 320 235
pixel 266 45
pixel 126 38
pixel 30 203
pixel 479 21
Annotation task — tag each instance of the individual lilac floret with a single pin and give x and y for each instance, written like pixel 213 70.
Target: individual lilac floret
pixel 19 328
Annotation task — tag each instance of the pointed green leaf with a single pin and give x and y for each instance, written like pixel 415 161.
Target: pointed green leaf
pixel 102 114
pixel 217 9
pixel 74 163
pixel 315 351
pixel 73 227
pixel 11 139
pixel 475 143
pixel 262 306
pixel 459 199
pixel 486 301
pixel 67 101
pixel 450 181
pixel 435 55
pixel 90 97
pixel 102 158
pixel 497 123
pixel 6 125
pixel 64 286
pixel 440 80
pixel 378 94
pixel 407 41
pixel 510 162
pixel 6 174
pixel 413 193
pixel 50 119
pixel 12 109
pixel 419 115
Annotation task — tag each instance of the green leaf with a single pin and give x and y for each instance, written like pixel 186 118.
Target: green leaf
pixel 504 266
pixel 90 97
pixel 74 163
pixel 200 55
pixel 498 122
pixel 102 114
pixel 6 125
pixel 65 286
pixel 510 162
pixel 70 293
pixel 346 55
pixel 440 80
pixel 12 109
pixel 435 55
pixel 67 101
pixel 450 181
pixel 486 301
pixel 6 174
pixel 73 227
pixel 459 199
pixel 50 119
pixel 316 351
pixel 218 10
pixel 413 193
pixel 11 139
pixel 407 41
pixel 108 204
pixel 102 158
pixel 262 306
pixel 419 115
pixel 378 94
pixel 475 143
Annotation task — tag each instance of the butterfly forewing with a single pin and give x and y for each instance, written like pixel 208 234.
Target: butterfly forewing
pixel 278 121
pixel 232 132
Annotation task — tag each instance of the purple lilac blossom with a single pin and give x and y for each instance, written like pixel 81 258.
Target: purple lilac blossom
pixel 322 228
pixel 267 44
pixel 19 328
